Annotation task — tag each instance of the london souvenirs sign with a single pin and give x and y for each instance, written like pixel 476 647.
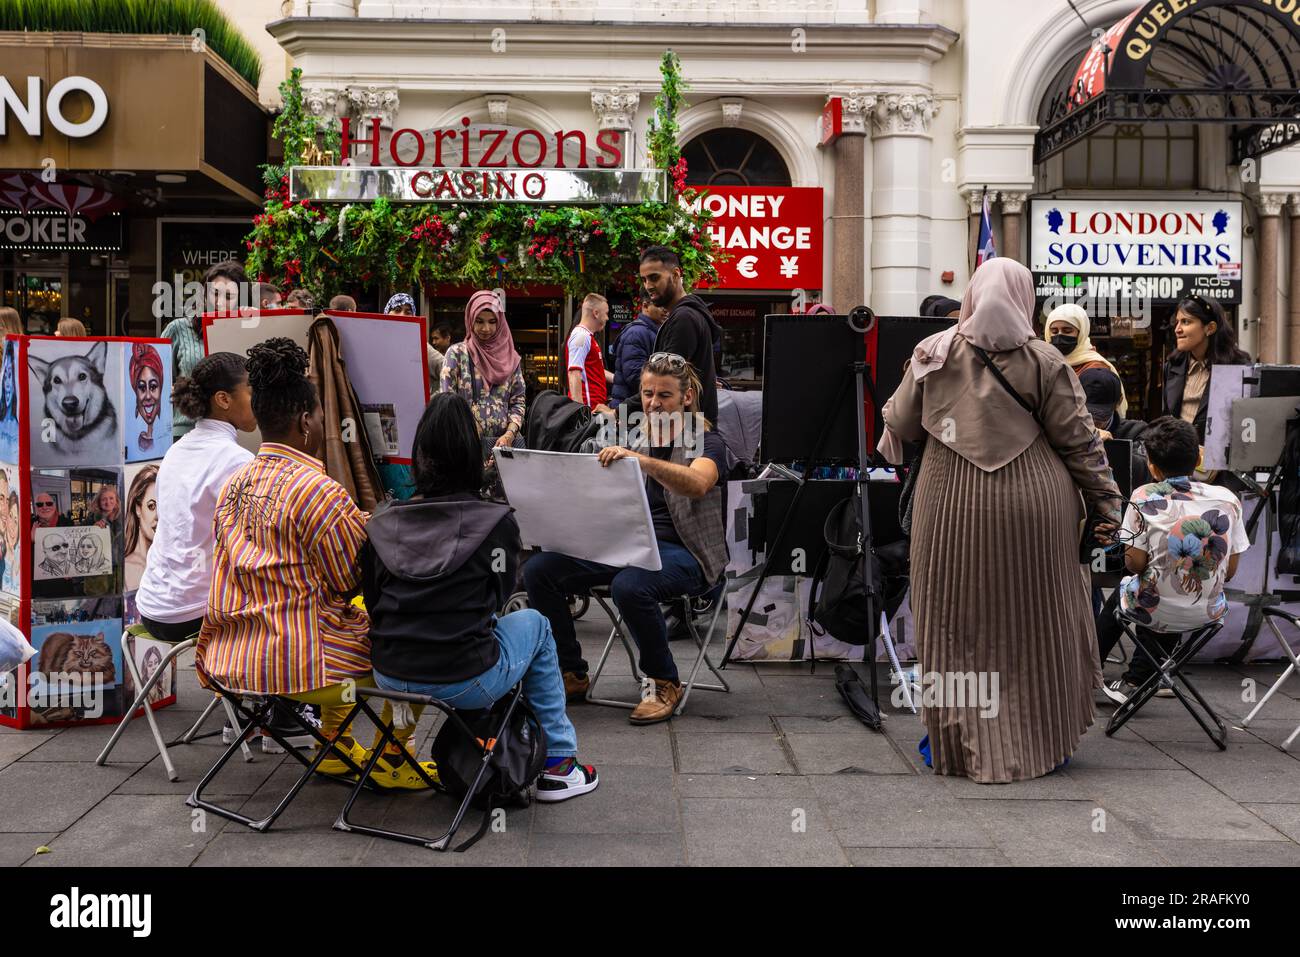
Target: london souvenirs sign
pixel 1158 251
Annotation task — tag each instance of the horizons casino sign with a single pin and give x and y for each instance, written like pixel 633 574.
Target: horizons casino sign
pixel 1150 250
pixel 479 164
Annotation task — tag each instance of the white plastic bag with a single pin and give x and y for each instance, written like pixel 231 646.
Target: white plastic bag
pixel 14 647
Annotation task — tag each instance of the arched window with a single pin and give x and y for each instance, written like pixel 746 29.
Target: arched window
pixel 733 157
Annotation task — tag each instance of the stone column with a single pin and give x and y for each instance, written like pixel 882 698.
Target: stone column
pixel 848 211
pixel 975 204
pixel 900 202
pixel 1293 287
pixel 615 109
pixel 1270 209
pixel 1013 205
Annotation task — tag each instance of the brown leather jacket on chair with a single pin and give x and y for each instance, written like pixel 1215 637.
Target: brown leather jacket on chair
pixel 349 463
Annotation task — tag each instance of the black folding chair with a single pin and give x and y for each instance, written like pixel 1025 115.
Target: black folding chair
pixel 1169 674
pixel 260 711
pixel 387 732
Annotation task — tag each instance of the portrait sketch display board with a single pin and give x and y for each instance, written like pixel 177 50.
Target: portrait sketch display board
pixel 239 333
pixel 76 520
pixel 12 552
pixel 388 367
pixel 75 394
pixel 146 401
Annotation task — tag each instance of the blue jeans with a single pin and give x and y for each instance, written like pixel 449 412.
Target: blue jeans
pixel 527 652
pixel 550 578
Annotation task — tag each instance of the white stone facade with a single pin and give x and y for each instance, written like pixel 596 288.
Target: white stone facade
pixel 946 94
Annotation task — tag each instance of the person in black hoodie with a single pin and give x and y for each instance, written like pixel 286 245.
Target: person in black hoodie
pixel 435 570
pixel 689 331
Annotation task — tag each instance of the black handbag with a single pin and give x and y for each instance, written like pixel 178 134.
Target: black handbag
pixel 838 598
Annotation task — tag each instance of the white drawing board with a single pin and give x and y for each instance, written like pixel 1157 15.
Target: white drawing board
pixel 599 514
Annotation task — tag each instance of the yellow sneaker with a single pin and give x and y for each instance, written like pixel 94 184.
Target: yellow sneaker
pixel 335 766
pixel 396 774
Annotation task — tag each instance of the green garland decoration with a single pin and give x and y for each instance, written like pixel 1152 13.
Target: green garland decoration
pixel 580 248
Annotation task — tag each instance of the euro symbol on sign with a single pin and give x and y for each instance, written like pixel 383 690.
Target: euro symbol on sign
pixel 746 267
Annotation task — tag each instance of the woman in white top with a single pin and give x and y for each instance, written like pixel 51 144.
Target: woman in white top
pixel 173 592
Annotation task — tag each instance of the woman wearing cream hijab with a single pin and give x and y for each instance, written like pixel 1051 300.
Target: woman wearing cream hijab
pixel 997 588
pixel 1067 329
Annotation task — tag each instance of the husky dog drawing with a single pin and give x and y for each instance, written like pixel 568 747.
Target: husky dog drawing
pixel 78 422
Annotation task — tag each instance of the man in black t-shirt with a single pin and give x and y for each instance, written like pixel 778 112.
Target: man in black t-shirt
pixel 684 462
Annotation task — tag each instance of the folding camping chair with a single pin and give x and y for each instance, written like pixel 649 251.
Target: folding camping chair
pixel 687 611
pixel 1168 674
pixel 1269 614
pixel 258 710
pixel 141 700
pixel 387 731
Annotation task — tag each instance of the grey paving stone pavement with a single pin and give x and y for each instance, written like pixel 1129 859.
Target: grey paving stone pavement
pixel 775 773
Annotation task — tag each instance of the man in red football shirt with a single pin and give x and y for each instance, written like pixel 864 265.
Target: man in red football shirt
pixel 585 376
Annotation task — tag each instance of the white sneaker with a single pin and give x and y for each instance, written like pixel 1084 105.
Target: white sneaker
pixel 1119 690
pixel 560 787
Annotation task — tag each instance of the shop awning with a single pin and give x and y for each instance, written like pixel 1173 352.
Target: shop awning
pixel 1235 62
pixel 165 109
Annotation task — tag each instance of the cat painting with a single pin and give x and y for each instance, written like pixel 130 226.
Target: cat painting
pixel 80 654
pixel 63 653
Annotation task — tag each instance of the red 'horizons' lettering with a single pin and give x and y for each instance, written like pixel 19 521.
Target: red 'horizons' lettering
pixel 608 144
pixel 485 159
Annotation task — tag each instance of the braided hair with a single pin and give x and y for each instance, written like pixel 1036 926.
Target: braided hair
pixel 281 390
pixel 219 372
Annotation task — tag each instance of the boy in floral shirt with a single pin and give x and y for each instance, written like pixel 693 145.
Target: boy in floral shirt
pixel 1183 541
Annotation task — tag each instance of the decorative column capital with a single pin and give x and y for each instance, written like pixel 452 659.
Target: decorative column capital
pixel 1270 204
pixel 975 199
pixel 856 110
pixel 905 114
pixel 498 110
pixel 379 101
pixel 615 107
pixel 326 103
pixel 1293 205
pixel 732 107
pixel 1013 203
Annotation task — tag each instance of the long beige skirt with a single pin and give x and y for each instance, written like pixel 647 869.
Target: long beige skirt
pixel 1005 634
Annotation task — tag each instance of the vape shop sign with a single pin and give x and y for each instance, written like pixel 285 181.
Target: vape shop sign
pixel 1157 251
pixel 773 235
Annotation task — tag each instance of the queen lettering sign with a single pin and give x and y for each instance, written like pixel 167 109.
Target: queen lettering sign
pixel 772 233
pixel 1159 251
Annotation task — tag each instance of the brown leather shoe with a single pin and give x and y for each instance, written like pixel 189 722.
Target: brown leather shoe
pixel 575 686
pixel 658 699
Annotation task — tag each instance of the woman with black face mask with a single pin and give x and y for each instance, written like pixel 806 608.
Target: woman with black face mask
pixel 1067 330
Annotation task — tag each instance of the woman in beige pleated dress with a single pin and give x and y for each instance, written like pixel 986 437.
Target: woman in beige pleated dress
pixel 997 587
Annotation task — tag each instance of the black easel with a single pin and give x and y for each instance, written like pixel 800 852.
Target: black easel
pixel 1257 603
pixel 857 375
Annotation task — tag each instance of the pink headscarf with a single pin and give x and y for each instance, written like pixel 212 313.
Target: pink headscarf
pixel 996 315
pixel 496 359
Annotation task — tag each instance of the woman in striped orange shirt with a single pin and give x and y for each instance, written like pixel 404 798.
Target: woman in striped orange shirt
pixel 280 618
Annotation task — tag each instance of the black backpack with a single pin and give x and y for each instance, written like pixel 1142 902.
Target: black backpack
pixel 555 423
pixel 838 599
pixel 517 760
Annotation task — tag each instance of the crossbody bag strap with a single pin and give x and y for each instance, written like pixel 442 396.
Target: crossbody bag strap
pixel 1011 390
pixel 473 382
